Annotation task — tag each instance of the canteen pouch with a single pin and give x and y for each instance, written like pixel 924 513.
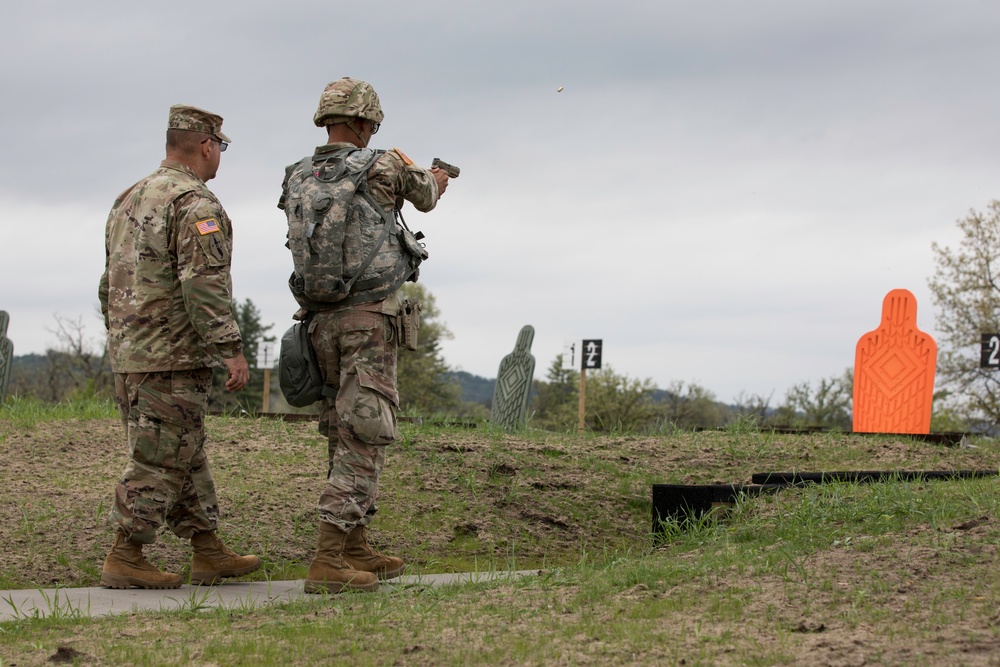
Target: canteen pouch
pixel 412 244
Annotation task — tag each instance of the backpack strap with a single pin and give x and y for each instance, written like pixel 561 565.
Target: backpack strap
pixel 388 222
pixel 387 226
pixel 306 167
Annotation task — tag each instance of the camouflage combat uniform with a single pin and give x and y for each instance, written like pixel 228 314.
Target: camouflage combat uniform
pixel 166 295
pixel 356 349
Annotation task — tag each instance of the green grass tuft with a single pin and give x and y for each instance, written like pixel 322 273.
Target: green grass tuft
pixel 26 412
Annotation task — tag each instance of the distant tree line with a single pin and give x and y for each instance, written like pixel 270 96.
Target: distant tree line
pixel 78 368
pixel 615 402
pixel 968 397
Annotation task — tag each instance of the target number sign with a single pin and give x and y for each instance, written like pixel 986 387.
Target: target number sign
pixel 990 355
pixel 590 354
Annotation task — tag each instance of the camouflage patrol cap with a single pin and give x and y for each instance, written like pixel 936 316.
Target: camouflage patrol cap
pixel 193 119
pixel 348 98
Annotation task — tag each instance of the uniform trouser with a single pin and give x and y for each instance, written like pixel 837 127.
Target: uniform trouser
pixel 356 351
pixel 167 481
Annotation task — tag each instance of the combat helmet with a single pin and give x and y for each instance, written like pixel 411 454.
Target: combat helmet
pixel 348 98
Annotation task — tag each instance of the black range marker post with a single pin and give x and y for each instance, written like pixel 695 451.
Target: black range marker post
pixel 590 357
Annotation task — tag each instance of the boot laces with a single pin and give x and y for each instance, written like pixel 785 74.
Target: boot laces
pixel 215 543
pixel 135 557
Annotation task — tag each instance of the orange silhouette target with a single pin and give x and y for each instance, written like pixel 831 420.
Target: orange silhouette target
pixel 894 371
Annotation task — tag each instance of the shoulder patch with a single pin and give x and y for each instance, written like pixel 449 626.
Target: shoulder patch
pixel 207 226
pixel 402 156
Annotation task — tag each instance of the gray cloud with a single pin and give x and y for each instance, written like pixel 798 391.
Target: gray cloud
pixel 724 192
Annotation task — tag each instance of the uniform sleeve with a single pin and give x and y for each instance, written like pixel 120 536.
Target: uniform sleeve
pixel 104 289
pixel 204 255
pixel 395 175
pixel 102 295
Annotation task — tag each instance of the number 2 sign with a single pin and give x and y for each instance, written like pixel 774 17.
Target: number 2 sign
pixel 990 356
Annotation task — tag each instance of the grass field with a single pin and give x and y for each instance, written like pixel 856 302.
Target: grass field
pixel 835 574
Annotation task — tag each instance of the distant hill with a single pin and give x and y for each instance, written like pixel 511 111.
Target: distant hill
pixel 27 367
pixel 475 389
pixel 28 371
pixel 29 363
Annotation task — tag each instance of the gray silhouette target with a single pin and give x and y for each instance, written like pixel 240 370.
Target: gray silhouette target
pixel 6 354
pixel 513 387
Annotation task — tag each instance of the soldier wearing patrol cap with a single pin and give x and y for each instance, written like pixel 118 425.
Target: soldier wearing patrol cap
pixel 193 119
pixel 355 337
pixel 167 299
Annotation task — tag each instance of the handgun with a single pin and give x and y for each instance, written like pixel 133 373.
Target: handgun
pixel 451 169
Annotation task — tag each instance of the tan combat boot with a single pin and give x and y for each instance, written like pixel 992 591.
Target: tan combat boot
pixel 328 573
pixel 125 567
pixel 359 555
pixel 213 560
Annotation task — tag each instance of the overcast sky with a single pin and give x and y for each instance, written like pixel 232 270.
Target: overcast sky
pixel 723 191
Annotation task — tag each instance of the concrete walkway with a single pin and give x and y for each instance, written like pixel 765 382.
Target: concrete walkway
pixel 97 601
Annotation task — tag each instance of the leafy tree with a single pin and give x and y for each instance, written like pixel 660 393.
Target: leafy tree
pixel 253 332
pixel 828 405
pixel 754 406
pixel 966 290
pixel 613 402
pixel 690 406
pixel 555 404
pixel 618 402
pixel 946 416
pixel 78 367
pixel 422 374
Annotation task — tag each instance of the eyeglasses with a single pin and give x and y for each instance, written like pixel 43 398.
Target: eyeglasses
pixel 375 127
pixel 223 145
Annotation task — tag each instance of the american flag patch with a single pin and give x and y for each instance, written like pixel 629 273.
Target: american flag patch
pixel 207 226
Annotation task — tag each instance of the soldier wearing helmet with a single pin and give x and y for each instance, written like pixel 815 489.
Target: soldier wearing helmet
pixel 347 100
pixel 355 334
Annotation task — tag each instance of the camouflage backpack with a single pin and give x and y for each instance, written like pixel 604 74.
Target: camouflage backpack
pixel 346 249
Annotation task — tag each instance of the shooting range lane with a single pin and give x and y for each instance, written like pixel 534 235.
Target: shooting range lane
pixel 97 601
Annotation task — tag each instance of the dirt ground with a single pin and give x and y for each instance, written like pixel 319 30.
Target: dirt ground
pixel 474 493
